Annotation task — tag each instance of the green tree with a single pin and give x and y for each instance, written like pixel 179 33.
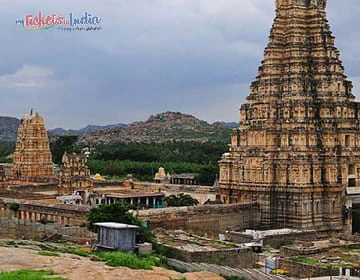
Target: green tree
pixel 118 213
pixel 207 175
pixel 14 206
pixel 6 148
pixel 180 200
pixel 66 143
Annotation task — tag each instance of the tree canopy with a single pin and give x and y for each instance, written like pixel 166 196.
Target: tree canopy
pixel 117 213
pixel 180 200
pixel 66 143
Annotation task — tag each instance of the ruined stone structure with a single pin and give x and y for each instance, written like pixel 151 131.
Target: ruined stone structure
pixel 74 176
pixel 298 145
pixel 206 219
pixel 32 157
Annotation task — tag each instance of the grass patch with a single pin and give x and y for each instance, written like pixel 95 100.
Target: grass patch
pixel 28 275
pixel 79 252
pixel 303 260
pixel 115 259
pixel 234 278
pixel 350 250
pixel 49 254
pixel 129 260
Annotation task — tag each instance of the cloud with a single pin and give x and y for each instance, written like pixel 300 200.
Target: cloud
pixel 356 85
pixel 29 76
pixel 194 56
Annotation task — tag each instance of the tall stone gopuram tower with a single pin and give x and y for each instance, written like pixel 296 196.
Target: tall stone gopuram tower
pixel 32 157
pixel 297 148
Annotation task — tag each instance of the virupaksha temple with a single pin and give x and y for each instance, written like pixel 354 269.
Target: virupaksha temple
pixel 297 149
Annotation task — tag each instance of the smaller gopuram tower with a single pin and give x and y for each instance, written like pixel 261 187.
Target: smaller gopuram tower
pixel 74 176
pixel 32 157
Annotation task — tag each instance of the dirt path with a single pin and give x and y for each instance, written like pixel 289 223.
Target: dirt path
pixel 79 268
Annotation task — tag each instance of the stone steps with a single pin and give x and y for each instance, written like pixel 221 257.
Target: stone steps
pixel 249 274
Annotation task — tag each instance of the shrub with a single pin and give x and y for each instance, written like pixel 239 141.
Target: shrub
pixel 129 260
pixel 180 200
pixel 79 252
pixel 11 243
pixel 14 206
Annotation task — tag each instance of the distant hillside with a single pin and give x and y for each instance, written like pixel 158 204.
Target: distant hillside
pixel 88 129
pixel 226 124
pixel 164 127
pixel 8 128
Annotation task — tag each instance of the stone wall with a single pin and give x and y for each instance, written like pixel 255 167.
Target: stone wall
pixel 236 257
pixel 275 241
pixel 308 250
pixel 207 219
pixel 26 229
pixel 108 183
pixel 66 215
pixel 30 188
pixel 242 258
pixel 304 270
pixel 34 220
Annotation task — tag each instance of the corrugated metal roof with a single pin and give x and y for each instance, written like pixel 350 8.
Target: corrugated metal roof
pixel 115 225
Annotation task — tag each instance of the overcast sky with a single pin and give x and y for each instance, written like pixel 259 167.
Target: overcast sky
pixel 150 56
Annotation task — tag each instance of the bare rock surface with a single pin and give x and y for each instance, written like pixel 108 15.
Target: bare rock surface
pixel 74 267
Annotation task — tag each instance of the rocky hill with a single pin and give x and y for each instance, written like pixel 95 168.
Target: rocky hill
pixel 8 128
pixel 164 127
pixel 88 129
